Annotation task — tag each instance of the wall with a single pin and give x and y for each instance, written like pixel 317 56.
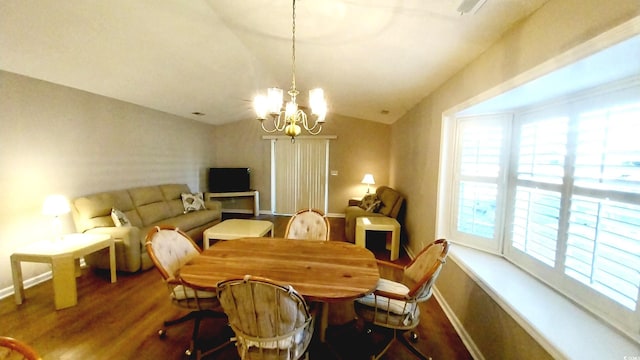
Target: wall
pixel 361 147
pixel 555 28
pixel 55 139
pixel 495 332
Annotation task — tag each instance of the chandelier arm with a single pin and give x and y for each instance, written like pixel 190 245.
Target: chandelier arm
pixel 306 122
pixel 265 129
pixel 315 132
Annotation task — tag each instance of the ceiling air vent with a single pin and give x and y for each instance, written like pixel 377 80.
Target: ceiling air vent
pixel 470 6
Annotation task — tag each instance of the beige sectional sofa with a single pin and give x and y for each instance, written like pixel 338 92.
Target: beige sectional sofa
pixel 144 207
pixel 391 206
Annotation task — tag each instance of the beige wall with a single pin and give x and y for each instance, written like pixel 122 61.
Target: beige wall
pixel 54 139
pixel 361 147
pixel 557 27
pixel 496 333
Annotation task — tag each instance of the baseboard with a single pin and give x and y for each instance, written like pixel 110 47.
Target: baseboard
pixel 238 211
pixel 457 325
pixel 8 291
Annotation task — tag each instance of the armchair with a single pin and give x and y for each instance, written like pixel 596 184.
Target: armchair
pixel 391 205
pixel 271 321
pixel 170 248
pixel 394 304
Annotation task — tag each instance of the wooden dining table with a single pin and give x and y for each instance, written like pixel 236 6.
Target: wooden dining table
pixel 322 271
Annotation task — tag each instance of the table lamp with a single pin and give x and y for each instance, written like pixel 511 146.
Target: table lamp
pixel 56 205
pixel 368 179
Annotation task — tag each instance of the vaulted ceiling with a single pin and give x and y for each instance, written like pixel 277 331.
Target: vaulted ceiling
pixel 375 59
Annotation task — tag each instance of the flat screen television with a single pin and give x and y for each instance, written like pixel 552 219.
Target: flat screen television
pixel 229 179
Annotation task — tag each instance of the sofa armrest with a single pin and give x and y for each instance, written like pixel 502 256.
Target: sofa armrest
pixel 128 245
pixel 212 204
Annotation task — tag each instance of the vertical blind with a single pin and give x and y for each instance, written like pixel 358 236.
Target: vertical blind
pixel 300 174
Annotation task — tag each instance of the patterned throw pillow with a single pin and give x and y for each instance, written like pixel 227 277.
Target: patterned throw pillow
pixel 370 203
pixel 192 202
pixel 119 218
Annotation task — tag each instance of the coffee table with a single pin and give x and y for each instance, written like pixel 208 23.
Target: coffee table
pixel 236 228
pixel 379 223
pixel 63 255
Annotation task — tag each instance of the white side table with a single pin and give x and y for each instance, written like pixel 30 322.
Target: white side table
pixel 62 255
pixel 379 223
pixel 235 229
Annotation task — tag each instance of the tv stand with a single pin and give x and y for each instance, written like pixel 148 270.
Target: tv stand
pixel 252 193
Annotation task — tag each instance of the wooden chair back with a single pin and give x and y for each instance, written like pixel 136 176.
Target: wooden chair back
pixel 271 321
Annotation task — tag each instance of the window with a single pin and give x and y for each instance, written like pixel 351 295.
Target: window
pixel 480 164
pixel 556 190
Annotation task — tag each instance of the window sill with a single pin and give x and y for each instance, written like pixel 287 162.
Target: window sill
pixel 564 329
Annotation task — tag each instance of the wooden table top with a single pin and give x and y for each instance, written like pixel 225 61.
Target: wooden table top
pixel 318 270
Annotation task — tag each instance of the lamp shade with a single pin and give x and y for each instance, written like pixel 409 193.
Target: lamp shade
pixel 368 179
pixel 55 205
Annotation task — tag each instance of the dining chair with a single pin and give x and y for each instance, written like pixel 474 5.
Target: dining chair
pixel 308 224
pixel 169 249
pixel 11 348
pixel 394 303
pixel 271 321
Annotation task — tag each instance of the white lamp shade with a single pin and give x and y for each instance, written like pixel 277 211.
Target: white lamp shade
pixel 368 179
pixel 55 205
pixel 274 96
pixel 261 106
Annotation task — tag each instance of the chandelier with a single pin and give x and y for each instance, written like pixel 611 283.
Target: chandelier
pixel 289 118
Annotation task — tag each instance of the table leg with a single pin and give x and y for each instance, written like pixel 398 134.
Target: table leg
pixel 18 286
pixel 112 260
pixel 395 244
pixel 324 321
pixel 361 233
pixel 65 292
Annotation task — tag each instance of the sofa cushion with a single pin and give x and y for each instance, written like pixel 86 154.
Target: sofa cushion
pixel 93 211
pixel 153 212
pixel 173 191
pixel 122 200
pixel 146 195
pixel 191 220
pixel 95 205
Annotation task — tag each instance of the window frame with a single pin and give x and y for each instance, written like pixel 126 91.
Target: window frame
pixel 572 106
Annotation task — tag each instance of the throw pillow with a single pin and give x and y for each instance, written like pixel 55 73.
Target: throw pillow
pixel 370 203
pixel 192 202
pixel 119 218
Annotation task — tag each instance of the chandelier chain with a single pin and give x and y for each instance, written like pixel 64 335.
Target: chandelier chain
pixel 293 92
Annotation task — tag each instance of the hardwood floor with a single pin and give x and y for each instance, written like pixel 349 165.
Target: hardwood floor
pixel 120 321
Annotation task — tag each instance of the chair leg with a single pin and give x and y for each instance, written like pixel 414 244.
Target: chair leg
pixel 189 316
pixel 197 317
pixel 411 347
